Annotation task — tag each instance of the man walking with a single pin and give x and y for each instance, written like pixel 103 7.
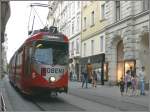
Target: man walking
pixel 84 79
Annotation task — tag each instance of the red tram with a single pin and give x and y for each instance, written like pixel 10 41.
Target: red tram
pixel 40 65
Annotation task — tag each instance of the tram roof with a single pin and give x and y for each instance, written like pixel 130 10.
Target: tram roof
pixel 41 35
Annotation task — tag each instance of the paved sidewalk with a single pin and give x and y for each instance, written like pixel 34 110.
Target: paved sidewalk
pixel 4 94
pixel 113 92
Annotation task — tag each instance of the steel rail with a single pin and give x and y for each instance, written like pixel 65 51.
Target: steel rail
pixel 3 106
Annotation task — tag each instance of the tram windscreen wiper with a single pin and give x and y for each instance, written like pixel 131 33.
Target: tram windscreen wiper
pixel 36 60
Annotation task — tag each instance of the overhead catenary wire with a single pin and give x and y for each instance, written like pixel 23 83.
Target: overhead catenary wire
pixel 34 11
pixel 38 16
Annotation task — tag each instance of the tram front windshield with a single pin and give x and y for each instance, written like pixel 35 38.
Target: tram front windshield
pixel 51 53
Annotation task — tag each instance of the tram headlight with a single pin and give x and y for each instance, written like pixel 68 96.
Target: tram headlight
pixel 52 78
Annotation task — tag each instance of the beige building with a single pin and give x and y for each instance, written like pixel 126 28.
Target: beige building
pixel 127 37
pixel 93 36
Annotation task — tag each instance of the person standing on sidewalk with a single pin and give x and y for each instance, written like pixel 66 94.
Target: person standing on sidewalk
pixel 132 72
pixel 90 72
pixel 121 84
pixel 141 77
pixel 94 79
pixel 133 85
pixel 127 81
pixel 84 79
pixel 70 75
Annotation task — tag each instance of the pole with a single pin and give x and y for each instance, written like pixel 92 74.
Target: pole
pixel 149 38
pixel 102 73
pixel 33 23
pixel 0 47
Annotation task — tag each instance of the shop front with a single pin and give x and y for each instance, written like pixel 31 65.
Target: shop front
pixel 95 63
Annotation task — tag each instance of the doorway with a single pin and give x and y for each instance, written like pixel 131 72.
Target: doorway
pixel 120 60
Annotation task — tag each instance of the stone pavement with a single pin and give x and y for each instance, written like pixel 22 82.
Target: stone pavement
pixel 113 92
pixel 5 97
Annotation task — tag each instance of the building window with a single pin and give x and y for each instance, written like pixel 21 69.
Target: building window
pixel 84 27
pixel 72 48
pixel 72 27
pixel 92 18
pixel 117 10
pixel 92 47
pixel 69 11
pixel 78 19
pixel 84 53
pixel 77 46
pixel 68 29
pixel 146 4
pixel 103 11
pixel 73 8
pixel 84 4
pixel 101 44
pixel 78 5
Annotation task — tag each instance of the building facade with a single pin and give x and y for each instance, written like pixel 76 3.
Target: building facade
pixel 111 36
pixel 93 37
pixel 5 14
pixel 4 55
pixel 66 15
pixel 127 37
pixel 75 38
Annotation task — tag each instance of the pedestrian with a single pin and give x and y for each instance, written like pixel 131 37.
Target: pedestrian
pixel 90 72
pixel 94 79
pixel 84 79
pixel 132 72
pixel 141 77
pixel 127 81
pixel 98 75
pixel 70 75
pixel 121 84
pixel 133 85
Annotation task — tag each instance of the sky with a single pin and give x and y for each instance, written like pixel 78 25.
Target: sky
pixel 18 23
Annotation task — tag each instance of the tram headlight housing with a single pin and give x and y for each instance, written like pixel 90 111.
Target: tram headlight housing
pixel 52 78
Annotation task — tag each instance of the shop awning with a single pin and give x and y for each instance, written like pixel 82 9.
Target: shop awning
pixel 93 59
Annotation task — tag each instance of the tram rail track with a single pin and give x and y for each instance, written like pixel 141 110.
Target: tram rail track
pixel 54 104
pixel 2 105
pixel 106 101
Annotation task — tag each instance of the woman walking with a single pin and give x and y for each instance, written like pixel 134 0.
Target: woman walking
pixel 94 79
pixel 133 85
pixel 127 81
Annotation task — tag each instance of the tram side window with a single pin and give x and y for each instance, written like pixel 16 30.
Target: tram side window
pixel 19 59
pixel 28 52
pixel 12 65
